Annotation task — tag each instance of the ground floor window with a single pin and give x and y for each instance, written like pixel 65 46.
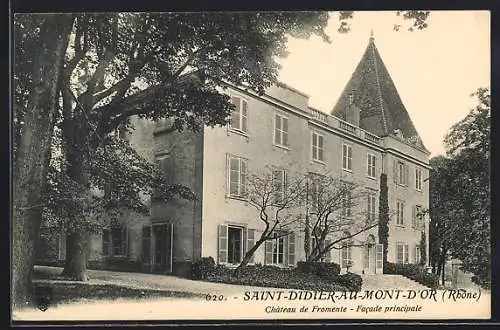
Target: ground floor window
pixel 402 253
pixel 233 243
pixel 346 255
pixel 114 242
pixel 281 249
pixel 418 256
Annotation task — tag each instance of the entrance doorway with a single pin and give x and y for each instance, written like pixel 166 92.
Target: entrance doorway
pixel 369 255
pixel 157 247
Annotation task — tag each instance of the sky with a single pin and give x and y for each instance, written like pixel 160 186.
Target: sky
pixel 435 70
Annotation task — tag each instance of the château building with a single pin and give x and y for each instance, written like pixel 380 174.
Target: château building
pixel 367 133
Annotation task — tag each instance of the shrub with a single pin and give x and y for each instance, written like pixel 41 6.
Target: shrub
pixel 325 270
pixel 274 277
pixel 414 272
pixel 203 268
pixel 351 281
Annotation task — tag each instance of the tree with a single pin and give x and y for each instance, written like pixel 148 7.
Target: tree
pixel 460 195
pixel 468 145
pixel 278 198
pixel 121 65
pixel 32 150
pixel 336 207
pixel 161 66
pixel 383 228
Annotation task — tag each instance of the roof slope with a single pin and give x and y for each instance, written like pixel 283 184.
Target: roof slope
pixel 372 90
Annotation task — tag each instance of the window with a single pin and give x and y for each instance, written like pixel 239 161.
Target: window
pixel 417 217
pixel 418 256
pixel 418 179
pixel 400 206
pixel 281 249
pixel 114 242
pixel 237 176
pixel 281 130
pixel 346 255
pixel 371 165
pixel 317 147
pixel 346 204
pixel 347 157
pixel 234 244
pixel 400 172
pixel 371 208
pixel 401 253
pixel 239 115
pixel 280 183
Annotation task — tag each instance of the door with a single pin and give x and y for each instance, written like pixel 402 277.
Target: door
pixel 147 251
pixel 379 259
pixel 369 256
pixel 162 246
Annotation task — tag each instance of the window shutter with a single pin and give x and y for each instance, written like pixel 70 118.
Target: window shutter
pixel 106 251
pixel 328 254
pixel 243 177
pixel 124 246
pixel 244 116
pixel 407 174
pixel 379 259
pixel 222 244
pixel 291 249
pixel 284 128
pixel 250 242
pixel 146 245
pixel 414 221
pixel 395 170
pixel 406 257
pixel 268 259
pixel 368 162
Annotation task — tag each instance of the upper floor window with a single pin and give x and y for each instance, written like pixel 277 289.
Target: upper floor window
pixel 417 217
pixel 400 172
pixel 239 115
pixel 400 206
pixel 347 204
pixel 281 130
pixel 347 157
pixel 371 163
pixel 317 147
pixel 280 183
pixel 237 176
pixel 418 179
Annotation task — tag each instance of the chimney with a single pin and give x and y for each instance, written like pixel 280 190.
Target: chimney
pixel 353 113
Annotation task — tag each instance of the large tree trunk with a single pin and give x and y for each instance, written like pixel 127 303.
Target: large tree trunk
pixel 33 152
pixel 76 262
pixel 75 136
pixel 76 238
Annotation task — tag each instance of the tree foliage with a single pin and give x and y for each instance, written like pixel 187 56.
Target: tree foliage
pixel 383 227
pixel 460 193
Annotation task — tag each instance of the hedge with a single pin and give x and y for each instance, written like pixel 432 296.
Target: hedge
pixel 414 272
pixel 316 277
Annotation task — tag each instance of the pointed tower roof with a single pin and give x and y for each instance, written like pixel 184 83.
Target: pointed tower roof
pixel 372 90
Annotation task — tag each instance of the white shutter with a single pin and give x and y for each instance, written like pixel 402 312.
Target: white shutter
pixel 244 115
pixel 407 174
pixel 268 258
pixel 222 244
pixel 250 242
pixel 395 170
pixel 379 259
pixel 291 249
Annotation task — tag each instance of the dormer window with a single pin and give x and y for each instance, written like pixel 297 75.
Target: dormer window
pixel 351 98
